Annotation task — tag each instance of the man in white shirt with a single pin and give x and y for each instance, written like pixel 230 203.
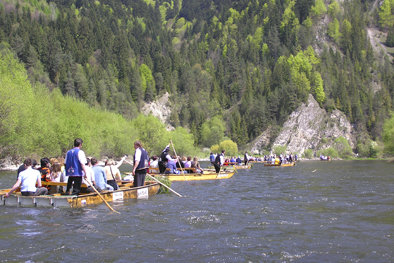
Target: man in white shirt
pixel 27 179
pixel 140 164
pixel 89 180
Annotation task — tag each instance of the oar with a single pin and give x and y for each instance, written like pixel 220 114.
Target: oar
pixel 183 172
pixel 163 185
pixel 97 192
pixel 156 180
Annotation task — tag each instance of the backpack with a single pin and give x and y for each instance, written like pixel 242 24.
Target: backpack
pixel 217 159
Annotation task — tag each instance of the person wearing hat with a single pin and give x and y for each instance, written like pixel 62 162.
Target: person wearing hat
pixel 246 158
pixel 164 158
pixel 219 161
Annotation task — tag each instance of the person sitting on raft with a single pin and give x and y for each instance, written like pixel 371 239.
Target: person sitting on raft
pixel 172 166
pixel 155 165
pixel 112 172
pixel 196 165
pixel 238 160
pixel 28 179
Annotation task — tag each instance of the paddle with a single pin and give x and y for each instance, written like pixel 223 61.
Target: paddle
pixel 183 172
pixel 102 198
pixel 156 180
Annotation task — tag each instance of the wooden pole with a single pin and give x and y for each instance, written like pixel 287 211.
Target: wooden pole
pixel 97 192
pixel 163 185
pixel 157 181
pixel 183 172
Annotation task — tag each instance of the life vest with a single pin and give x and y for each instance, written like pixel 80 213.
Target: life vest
pixel 73 166
pixel 217 159
pixel 144 162
pixel 45 175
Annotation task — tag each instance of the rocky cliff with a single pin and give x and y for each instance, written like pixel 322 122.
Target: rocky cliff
pixel 309 127
pixel 160 109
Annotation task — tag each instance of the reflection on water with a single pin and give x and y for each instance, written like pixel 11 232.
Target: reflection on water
pixel 337 211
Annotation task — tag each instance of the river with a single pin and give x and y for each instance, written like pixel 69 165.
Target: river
pixel 338 211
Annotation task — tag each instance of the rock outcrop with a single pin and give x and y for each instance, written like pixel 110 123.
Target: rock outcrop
pixel 159 109
pixel 309 127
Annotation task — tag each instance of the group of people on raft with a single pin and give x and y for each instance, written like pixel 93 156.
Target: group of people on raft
pixel 172 164
pixel 281 159
pixel 76 170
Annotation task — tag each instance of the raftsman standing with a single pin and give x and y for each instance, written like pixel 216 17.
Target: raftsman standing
pixel 141 163
pixel 75 167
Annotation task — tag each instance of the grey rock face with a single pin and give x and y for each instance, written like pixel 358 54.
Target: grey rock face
pixel 309 127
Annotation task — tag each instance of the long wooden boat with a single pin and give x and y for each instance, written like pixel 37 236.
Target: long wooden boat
pixel 288 164
pixel 257 162
pixel 206 175
pixel 237 167
pixel 271 164
pixel 126 191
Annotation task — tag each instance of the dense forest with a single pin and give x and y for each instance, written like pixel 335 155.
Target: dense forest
pixel 232 68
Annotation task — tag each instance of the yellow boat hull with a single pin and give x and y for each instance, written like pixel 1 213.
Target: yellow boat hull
pixel 74 201
pixel 199 176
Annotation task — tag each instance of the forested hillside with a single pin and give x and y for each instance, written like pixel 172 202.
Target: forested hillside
pixel 232 68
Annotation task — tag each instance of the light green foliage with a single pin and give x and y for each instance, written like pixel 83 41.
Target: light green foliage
pixel 151 132
pixel 301 67
pixel 146 76
pixel 150 2
pixel 175 40
pixel 163 12
pixel 280 149
pixel 183 141
pixel 258 36
pixel 308 22
pixel 334 9
pixel 16 98
pixel 224 52
pixel 212 131
pixel 289 17
pixel 265 49
pixel 346 35
pixel 341 144
pixel 229 146
pixel 97 3
pixel 308 154
pixel 142 23
pixel 332 152
pixel 215 20
pixel 318 90
pixel 388 135
pixel 234 13
pixel 386 18
pixel 37 122
pixel 319 8
pixel 215 148
pixel 181 22
pixel 333 30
